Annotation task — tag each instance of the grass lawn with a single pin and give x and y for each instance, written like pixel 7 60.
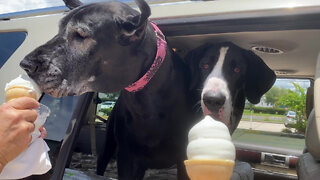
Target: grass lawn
pixel 247 112
pixel 260 117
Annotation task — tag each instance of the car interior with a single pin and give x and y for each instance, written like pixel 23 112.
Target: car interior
pixel 289 44
pixel 288 40
pixel 291 50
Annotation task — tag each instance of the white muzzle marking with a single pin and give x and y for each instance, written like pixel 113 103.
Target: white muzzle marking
pixel 216 82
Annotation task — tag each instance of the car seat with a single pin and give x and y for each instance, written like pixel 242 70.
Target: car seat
pixel 242 171
pixel 308 166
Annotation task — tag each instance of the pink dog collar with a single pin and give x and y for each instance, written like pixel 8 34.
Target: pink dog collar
pixel 161 54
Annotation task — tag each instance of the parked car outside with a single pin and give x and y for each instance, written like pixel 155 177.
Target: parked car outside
pixel 107 104
pixel 291 119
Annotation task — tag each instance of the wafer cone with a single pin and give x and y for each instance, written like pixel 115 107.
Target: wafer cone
pixel 209 169
pixel 19 91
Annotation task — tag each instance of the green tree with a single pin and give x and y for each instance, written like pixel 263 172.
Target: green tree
pixel 106 111
pixel 296 101
pixel 274 94
pixel 109 96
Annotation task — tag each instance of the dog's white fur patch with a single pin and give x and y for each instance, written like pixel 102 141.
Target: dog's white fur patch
pixel 217 70
pixel 91 79
pixel 217 82
pixel 129 33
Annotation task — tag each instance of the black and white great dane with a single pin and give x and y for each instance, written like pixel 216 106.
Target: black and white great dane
pixel 108 47
pixel 226 75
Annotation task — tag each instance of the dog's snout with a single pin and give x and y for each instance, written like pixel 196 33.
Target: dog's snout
pixel 28 66
pixel 213 100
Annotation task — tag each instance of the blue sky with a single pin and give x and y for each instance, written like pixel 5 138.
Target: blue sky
pixel 7 6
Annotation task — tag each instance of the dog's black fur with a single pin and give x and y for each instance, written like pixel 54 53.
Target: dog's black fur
pixel 105 47
pixel 243 72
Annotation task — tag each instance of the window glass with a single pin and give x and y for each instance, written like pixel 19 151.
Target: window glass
pixel 9 42
pixel 60 116
pixel 279 120
pixel 274 122
pixel 107 102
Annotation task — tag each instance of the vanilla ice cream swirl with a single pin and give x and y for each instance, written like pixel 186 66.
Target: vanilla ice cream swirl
pixel 24 81
pixel 210 139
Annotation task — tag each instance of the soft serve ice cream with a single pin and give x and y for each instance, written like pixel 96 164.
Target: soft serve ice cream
pixel 210 139
pixel 22 86
pixel 210 152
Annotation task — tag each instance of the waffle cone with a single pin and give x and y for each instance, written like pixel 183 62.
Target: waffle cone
pixel 19 91
pixel 209 169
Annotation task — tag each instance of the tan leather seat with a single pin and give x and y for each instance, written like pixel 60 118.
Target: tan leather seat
pixel 308 167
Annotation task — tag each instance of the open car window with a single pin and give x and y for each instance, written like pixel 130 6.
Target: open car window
pixel 276 126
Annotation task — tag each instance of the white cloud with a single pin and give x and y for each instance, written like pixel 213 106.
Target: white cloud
pixel 7 6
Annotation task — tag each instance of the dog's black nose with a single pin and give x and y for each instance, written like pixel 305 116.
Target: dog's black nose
pixel 213 100
pixel 28 66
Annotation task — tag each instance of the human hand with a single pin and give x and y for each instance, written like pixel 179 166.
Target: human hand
pixel 16 120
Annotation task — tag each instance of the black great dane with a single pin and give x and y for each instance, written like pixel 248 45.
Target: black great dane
pixel 227 75
pixel 107 47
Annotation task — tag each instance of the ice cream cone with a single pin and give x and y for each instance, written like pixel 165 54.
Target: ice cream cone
pixel 203 169
pixel 22 86
pixel 19 91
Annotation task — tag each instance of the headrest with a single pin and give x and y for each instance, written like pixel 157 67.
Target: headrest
pixel 309 100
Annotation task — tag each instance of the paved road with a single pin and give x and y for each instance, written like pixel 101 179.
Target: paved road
pixel 261 126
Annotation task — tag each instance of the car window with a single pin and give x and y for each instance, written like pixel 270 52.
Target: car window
pixel 268 123
pixel 279 120
pixel 9 42
pixel 104 107
pixel 60 116
pixel 291 113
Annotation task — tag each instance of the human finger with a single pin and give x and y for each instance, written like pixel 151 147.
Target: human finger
pixel 29 126
pixel 43 132
pixel 29 115
pixel 24 103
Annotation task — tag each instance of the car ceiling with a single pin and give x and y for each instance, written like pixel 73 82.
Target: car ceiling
pixel 300 48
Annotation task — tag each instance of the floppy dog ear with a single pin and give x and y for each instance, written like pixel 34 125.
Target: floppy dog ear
pixel 193 58
pixel 134 26
pixel 71 4
pixel 259 77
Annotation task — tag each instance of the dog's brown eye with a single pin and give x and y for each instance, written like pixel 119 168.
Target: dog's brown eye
pixel 205 66
pixel 80 35
pixel 236 70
